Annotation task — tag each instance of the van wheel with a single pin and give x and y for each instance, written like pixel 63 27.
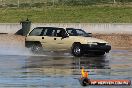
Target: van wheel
pixel 77 50
pixel 36 48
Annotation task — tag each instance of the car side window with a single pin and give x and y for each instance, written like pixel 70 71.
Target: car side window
pixel 60 32
pixel 45 31
pixel 80 32
pixel 72 32
pixel 36 32
pixel 69 32
pixel 51 32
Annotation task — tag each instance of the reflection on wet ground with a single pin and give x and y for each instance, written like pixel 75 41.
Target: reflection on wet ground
pixel 62 71
pixel 65 65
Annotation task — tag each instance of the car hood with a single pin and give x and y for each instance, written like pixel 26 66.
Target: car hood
pixel 91 39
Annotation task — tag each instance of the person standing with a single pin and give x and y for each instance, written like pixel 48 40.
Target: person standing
pixel 84 73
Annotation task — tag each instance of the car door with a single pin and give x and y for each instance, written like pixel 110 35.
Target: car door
pixel 42 35
pixel 48 39
pixel 61 43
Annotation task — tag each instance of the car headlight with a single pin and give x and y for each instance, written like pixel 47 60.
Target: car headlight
pixel 107 44
pixel 92 43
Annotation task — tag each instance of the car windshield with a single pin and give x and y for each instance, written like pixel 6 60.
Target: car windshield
pixel 76 32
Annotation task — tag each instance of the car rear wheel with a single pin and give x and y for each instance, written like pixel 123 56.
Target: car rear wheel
pixel 77 50
pixel 36 48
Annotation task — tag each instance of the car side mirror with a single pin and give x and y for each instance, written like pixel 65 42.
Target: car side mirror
pixel 65 35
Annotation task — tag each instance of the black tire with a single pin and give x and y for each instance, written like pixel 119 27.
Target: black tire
pixel 99 53
pixel 77 50
pixel 36 48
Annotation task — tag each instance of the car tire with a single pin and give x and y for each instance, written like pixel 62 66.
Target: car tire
pixel 36 48
pixel 77 50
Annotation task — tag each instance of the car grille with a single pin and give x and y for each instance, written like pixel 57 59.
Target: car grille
pixel 101 44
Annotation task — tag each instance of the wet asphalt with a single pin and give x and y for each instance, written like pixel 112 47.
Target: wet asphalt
pixel 19 68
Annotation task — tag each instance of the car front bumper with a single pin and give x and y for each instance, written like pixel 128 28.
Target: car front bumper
pixel 95 48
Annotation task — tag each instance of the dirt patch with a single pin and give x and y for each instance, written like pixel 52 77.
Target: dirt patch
pixel 7 40
pixel 117 40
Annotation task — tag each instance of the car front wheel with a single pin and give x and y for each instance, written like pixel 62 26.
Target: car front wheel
pixel 77 50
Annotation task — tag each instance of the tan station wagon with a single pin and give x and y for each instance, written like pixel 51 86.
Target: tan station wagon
pixel 59 39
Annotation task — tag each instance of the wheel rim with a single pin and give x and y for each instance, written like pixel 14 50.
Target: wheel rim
pixel 77 50
pixel 36 48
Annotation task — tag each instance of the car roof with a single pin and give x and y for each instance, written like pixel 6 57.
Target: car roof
pixel 50 27
pixel 74 28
